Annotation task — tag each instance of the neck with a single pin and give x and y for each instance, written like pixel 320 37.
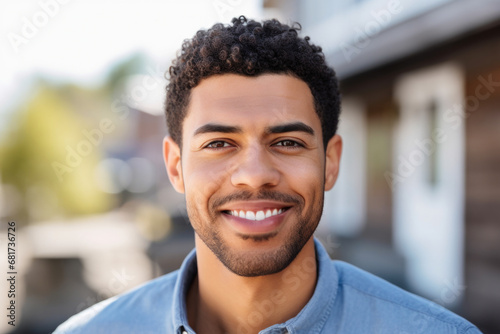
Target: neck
pixel 220 301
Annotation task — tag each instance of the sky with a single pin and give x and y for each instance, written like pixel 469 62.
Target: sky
pixel 79 41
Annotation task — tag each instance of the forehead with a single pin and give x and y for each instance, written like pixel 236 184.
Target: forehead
pixel 251 101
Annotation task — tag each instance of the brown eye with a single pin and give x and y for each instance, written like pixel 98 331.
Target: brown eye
pixel 287 143
pixel 217 144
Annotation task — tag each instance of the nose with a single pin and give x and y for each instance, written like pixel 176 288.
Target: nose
pixel 255 169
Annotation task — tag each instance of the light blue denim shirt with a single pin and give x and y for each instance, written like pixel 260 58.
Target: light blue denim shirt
pixel 346 300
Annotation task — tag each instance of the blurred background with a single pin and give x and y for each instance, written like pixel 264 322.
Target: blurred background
pixel 81 129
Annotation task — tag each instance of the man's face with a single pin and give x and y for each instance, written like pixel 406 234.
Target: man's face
pixel 253 169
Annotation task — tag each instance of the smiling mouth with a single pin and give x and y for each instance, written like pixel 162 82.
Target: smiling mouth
pixel 256 215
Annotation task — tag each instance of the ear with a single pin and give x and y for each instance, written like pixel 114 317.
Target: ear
pixel 172 157
pixel 332 161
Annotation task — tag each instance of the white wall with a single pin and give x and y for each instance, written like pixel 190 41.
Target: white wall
pixel 345 210
pixel 429 216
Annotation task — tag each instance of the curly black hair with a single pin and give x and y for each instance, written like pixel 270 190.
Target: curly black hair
pixel 251 48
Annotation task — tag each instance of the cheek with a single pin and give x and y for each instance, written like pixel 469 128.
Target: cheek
pixel 203 180
pixel 304 173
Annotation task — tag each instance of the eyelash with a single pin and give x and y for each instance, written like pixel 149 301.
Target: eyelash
pixel 226 144
pixel 295 144
pixel 215 142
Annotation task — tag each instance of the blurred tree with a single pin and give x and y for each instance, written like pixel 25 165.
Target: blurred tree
pixel 135 64
pixel 49 159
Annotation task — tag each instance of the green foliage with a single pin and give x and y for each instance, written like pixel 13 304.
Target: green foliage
pixel 45 127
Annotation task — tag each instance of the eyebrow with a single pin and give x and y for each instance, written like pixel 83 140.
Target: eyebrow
pixel 282 128
pixel 290 127
pixel 211 127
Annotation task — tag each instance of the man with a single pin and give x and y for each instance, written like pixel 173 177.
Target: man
pixel 252 110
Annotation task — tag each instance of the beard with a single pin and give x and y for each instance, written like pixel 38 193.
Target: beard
pixel 258 263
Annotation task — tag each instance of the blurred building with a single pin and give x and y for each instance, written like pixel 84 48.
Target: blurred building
pixel 421 124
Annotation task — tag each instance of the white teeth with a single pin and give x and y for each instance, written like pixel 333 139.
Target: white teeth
pixel 259 215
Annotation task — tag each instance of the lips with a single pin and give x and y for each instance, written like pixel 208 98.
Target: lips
pixel 257 214
pixel 255 218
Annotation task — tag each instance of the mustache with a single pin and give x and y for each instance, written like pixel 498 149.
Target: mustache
pixel 261 195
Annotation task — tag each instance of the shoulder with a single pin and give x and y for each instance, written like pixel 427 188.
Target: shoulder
pixel 132 310
pixel 383 305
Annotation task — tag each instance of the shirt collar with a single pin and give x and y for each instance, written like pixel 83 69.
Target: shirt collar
pixel 187 272
pixel 310 319
pixel 313 316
